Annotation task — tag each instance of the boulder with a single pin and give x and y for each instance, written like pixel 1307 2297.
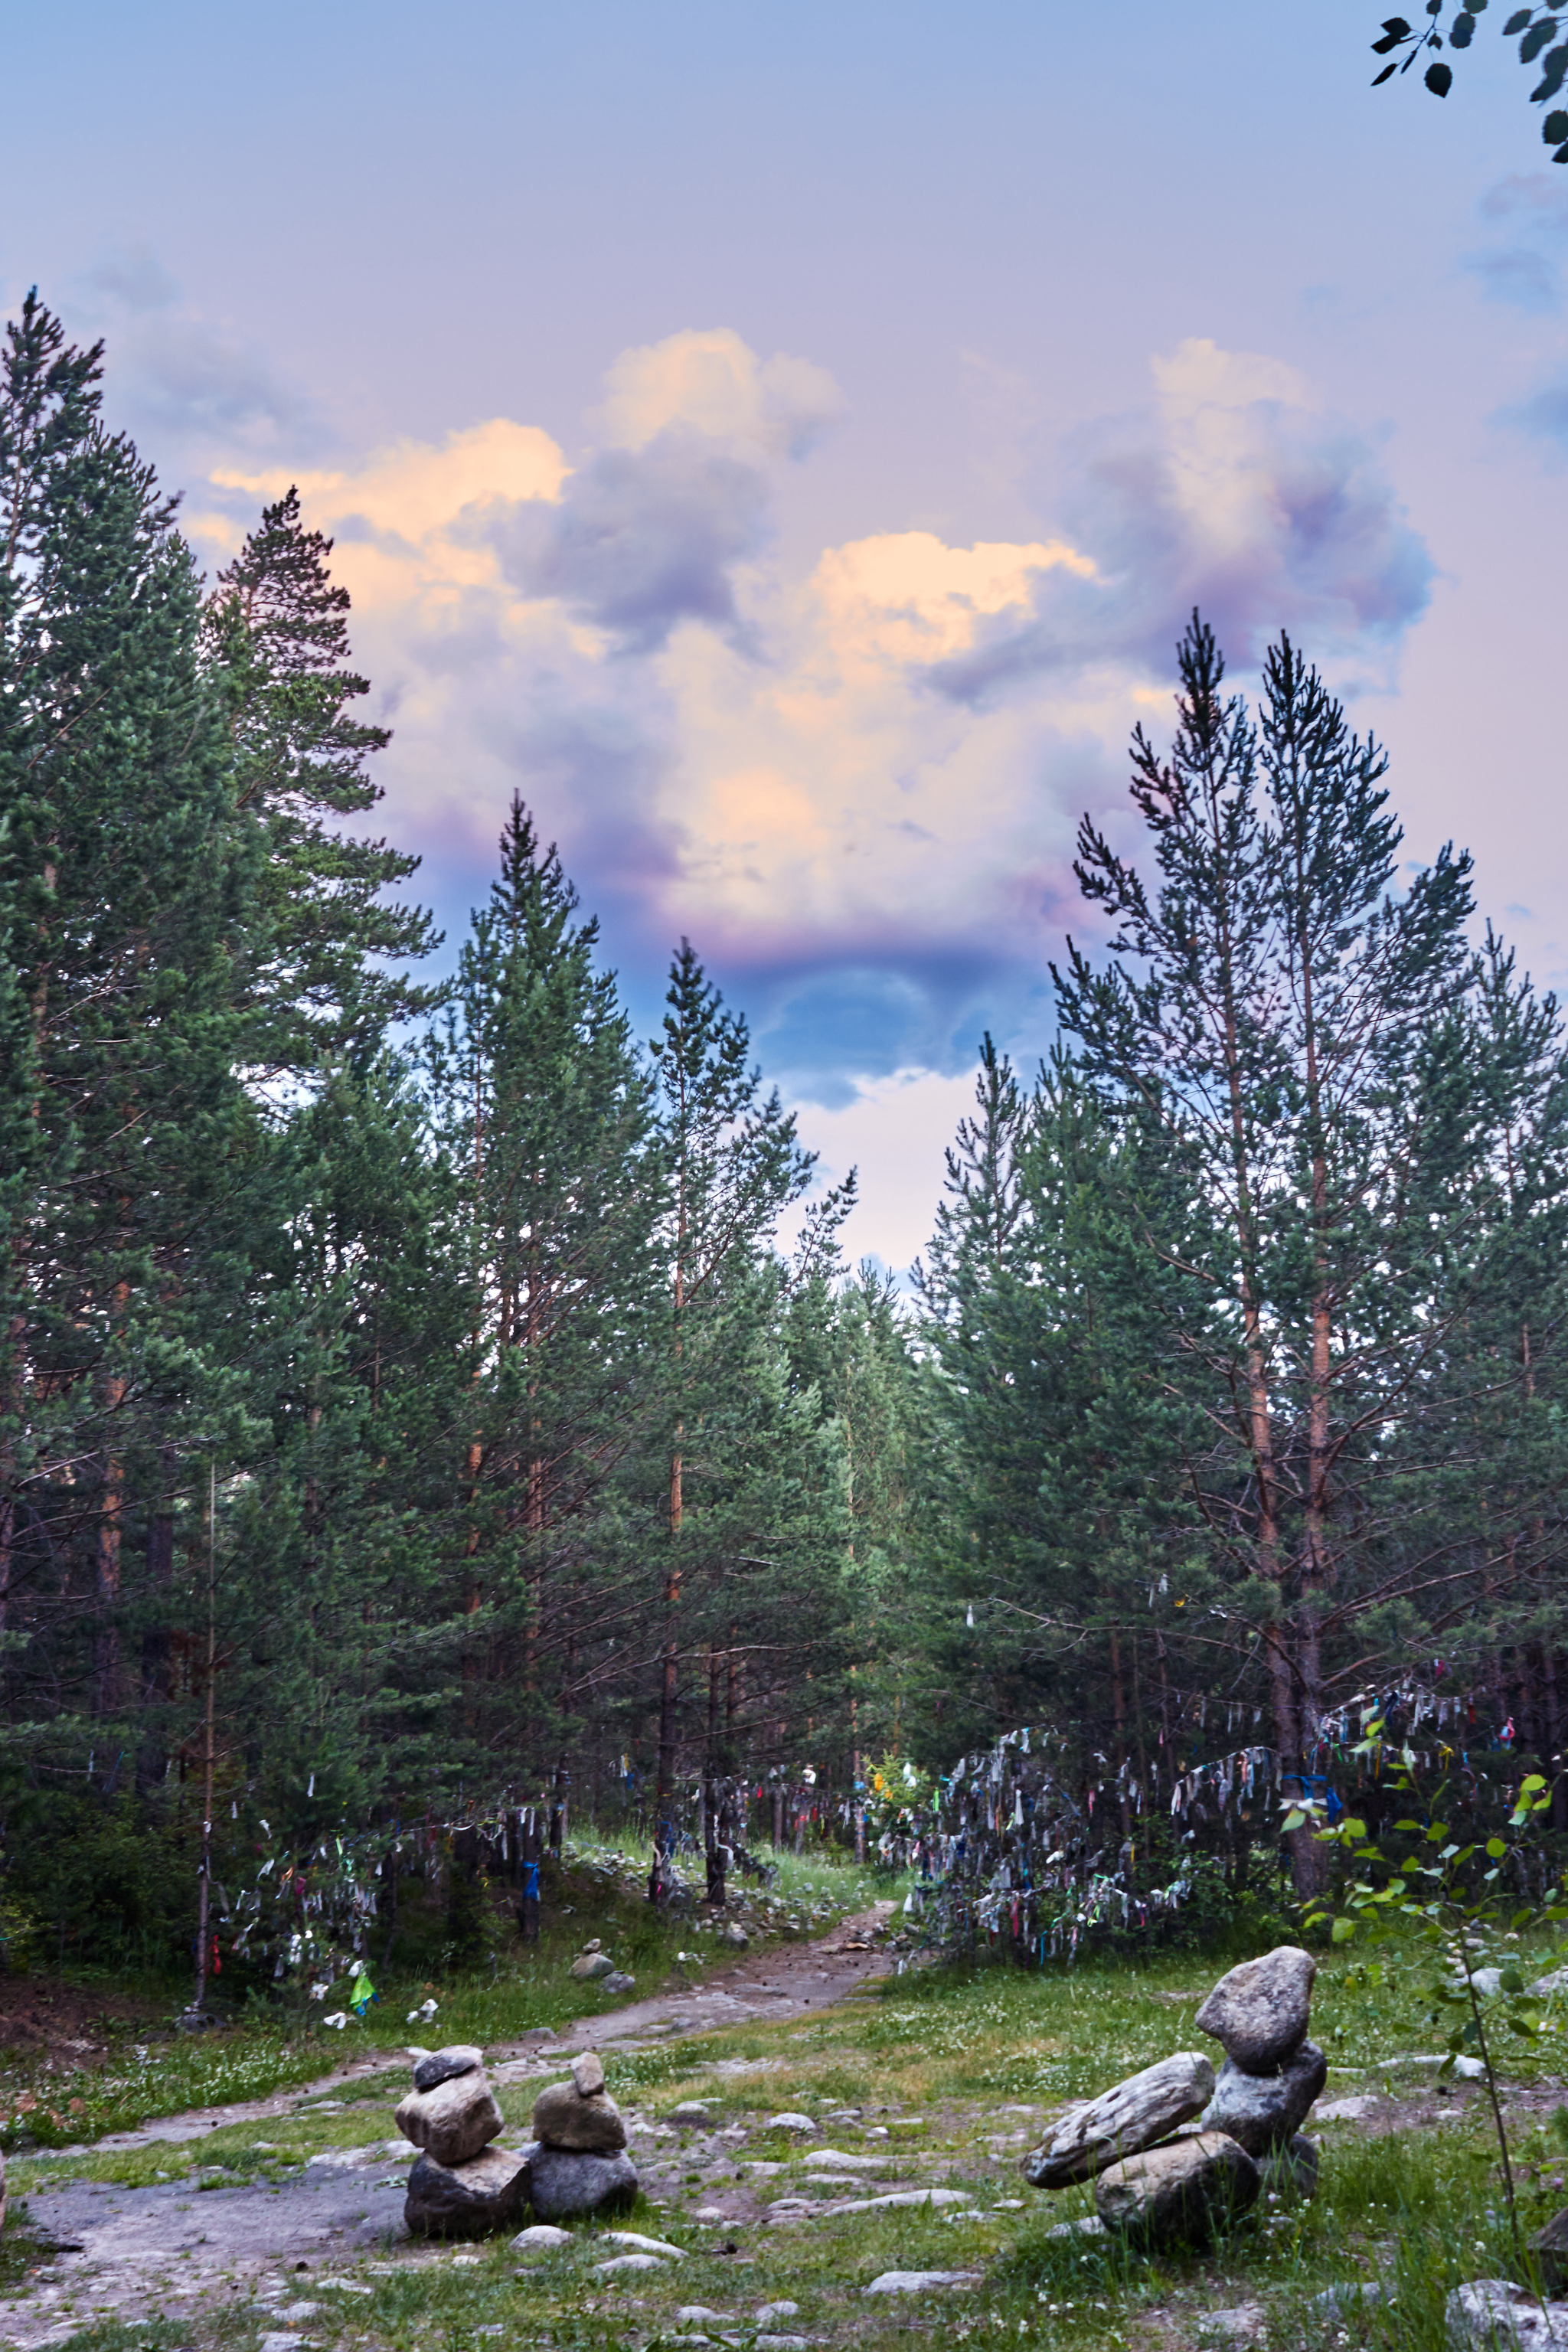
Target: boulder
pixel 453 2122
pixel 468 2200
pixel 562 2117
pixel 1290 2171
pixel 564 2183
pixel 588 1964
pixel 1496 2315
pixel 1183 2191
pixel 588 2072
pixel 1258 2012
pixel 1263 2111
pixel 1550 2247
pixel 438 2066
pixel 1122 2121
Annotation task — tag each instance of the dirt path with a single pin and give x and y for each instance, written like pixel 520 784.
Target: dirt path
pixel 265 2246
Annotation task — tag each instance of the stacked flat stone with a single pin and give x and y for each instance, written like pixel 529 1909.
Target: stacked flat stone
pixel 578 2162
pixel 461 2187
pixel 1174 2151
pixel 1259 2014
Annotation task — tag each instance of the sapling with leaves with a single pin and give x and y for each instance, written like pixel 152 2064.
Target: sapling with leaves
pixel 1452 1893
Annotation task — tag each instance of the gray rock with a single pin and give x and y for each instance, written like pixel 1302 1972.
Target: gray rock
pixel 1263 2111
pixel 1122 2121
pixel 1495 2315
pixel 1350 2295
pixel 628 2262
pixel 789 2121
pixel 468 2200
pixel 1260 2011
pixel 1550 2247
pixel 588 2072
pixel 564 2183
pixel 1240 2323
pixel 1185 2191
pixel 440 2066
pixel 562 2117
pixel 1290 2171
pixel 1557 1980
pixel 1088 2225
pixel 692 2111
pixel 453 2122
pixel 766 2313
pixel 618 1981
pixel 920 2282
pixel 540 2238
pixel 592 1964
pixel 642 2245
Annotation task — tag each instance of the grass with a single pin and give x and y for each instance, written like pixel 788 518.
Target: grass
pixel 267 2048
pixel 934 2060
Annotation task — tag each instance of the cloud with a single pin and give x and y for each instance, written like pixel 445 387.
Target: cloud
pixel 644 539
pixel 1530 211
pixel 1232 491
pixel 853 782
pixel 710 381
pixel 186 386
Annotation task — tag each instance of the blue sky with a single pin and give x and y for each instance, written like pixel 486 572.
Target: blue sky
pixel 783 443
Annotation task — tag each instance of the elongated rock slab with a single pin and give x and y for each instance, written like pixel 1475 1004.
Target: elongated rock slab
pixel 1182 2192
pixel 1122 2121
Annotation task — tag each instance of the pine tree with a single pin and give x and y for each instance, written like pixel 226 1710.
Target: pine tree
pixel 545 1111
pixel 1282 1015
pixel 734 1166
pixel 329 969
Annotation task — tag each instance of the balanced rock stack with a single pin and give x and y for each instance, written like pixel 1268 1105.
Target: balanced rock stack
pixel 461 2186
pixel 578 2163
pixel 1171 2150
pixel 1259 2014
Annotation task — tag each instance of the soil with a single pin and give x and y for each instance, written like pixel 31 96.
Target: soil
pixel 68 2026
pixel 121 2252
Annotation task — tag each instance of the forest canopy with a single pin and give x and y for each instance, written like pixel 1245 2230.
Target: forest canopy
pixel 409 1409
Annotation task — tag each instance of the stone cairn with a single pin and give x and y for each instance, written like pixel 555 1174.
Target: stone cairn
pixel 1172 2151
pixel 464 2187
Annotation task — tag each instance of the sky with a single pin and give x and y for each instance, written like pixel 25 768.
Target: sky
pixel 785 444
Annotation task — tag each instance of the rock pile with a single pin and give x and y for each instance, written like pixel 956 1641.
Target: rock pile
pixel 465 2187
pixel 578 2162
pixel 461 2187
pixel 1173 2150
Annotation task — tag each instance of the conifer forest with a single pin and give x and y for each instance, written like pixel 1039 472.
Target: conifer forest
pixel 427 1401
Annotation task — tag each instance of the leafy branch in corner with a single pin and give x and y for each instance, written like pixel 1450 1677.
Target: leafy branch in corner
pixel 1402 44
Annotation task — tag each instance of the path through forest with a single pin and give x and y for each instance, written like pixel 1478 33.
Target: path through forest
pixel 177 2245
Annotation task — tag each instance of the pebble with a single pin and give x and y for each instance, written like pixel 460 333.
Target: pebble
pixel 541 2237
pixel 920 2282
pixel 645 2245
